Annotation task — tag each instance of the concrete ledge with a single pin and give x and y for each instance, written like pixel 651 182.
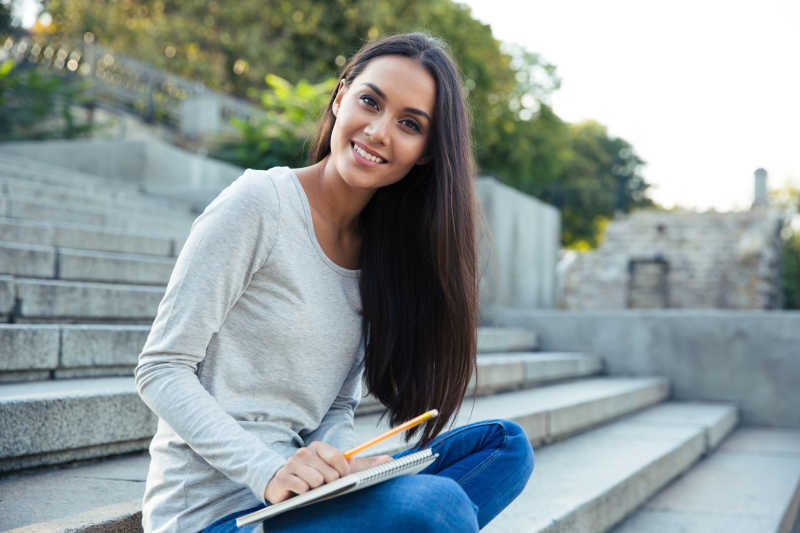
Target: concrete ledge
pixel 114 220
pixel 507 372
pixel 138 164
pixel 750 358
pixel 86 346
pixel 592 400
pixel 66 457
pixel 31 168
pixel 113 350
pixel 506 340
pixel 750 485
pixel 66 416
pixel 93 197
pixel 63 415
pixel 8 293
pixel 28 347
pixel 65 299
pixel 528 369
pixel 113 267
pixel 78 498
pixel 591 481
pixel 83 237
pixel 123 517
pixel 121 479
pixel 30 408
pixel 32 352
pixel 27 260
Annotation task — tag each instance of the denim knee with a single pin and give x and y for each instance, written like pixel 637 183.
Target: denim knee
pixel 439 505
pixel 519 442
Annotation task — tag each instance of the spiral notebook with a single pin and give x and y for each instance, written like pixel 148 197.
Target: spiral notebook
pixel 409 464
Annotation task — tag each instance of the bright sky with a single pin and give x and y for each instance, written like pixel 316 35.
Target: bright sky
pixel 705 90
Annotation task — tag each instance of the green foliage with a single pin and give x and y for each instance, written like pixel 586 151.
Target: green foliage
pixel 5 18
pixel 787 198
pixel 233 46
pixel 236 46
pixel 791 271
pixel 279 137
pixel 35 106
pixel 580 169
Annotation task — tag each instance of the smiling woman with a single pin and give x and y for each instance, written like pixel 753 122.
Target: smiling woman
pixel 293 284
pixel 386 126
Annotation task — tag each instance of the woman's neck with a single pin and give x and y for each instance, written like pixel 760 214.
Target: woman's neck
pixel 335 203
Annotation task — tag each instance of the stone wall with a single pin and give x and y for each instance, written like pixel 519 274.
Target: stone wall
pixel 665 259
pixel 519 246
pixel 747 357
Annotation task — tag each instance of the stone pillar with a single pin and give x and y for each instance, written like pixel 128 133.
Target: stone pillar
pixel 760 197
pixel 201 115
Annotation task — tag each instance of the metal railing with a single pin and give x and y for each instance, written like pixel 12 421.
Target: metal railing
pixel 120 81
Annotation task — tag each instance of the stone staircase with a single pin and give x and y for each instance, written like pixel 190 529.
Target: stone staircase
pixel 83 263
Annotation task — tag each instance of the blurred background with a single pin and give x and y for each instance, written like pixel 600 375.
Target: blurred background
pixel 596 110
pixel 639 178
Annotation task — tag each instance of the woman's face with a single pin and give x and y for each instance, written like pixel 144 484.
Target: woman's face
pixel 383 122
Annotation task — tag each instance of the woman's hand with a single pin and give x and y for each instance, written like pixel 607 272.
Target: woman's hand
pixel 357 464
pixel 312 466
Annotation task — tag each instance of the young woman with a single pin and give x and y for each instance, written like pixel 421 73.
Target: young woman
pixel 295 283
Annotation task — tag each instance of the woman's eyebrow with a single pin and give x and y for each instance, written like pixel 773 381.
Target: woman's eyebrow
pixel 408 109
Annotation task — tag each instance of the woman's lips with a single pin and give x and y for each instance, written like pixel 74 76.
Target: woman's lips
pixel 361 159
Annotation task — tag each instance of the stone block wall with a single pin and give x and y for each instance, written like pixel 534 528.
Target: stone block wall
pixel 664 259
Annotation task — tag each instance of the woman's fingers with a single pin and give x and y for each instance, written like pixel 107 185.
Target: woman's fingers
pixel 313 477
pixel 309 468
pixel 332 457
pixel 283 485
pixel 357 464
pixel 317 464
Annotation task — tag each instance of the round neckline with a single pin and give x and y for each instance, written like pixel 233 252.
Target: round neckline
pixel 312 235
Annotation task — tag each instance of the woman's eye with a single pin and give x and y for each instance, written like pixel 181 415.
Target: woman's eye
pixel 369 100
pixel 413 125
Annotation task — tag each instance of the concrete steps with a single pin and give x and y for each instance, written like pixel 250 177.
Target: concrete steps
pixel 87 237
pixel 110 491
pixel 95 198
pixel 34 208
pixel 16 167
pixel 751 484
pixel 36 261
pixel 73 301
pixel 591 481
pixel 56 421
pixel 500 340
pixel 44 351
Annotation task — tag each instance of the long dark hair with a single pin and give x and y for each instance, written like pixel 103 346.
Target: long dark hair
pixel 419 272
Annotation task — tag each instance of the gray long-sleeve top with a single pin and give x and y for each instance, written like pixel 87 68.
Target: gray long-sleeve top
pixel 256 350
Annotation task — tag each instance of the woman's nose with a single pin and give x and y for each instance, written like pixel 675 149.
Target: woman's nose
pixel 378 129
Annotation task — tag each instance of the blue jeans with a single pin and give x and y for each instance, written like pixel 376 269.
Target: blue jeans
pixel 481 468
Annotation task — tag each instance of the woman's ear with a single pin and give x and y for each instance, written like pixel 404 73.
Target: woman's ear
pixel 337 101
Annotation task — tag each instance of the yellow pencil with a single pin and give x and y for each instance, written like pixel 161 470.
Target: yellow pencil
pixel 433 413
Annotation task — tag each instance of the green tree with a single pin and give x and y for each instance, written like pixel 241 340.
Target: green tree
pixel 36 106
pixel 280 137
pixel 235 46
pixel 788 199
pixel 5 18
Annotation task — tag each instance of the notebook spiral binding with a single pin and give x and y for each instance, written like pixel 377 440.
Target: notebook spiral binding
pixel 385 469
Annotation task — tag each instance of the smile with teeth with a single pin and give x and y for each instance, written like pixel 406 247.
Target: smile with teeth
pixel 366 155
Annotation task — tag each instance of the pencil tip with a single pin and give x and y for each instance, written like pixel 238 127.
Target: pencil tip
pixel 434 413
